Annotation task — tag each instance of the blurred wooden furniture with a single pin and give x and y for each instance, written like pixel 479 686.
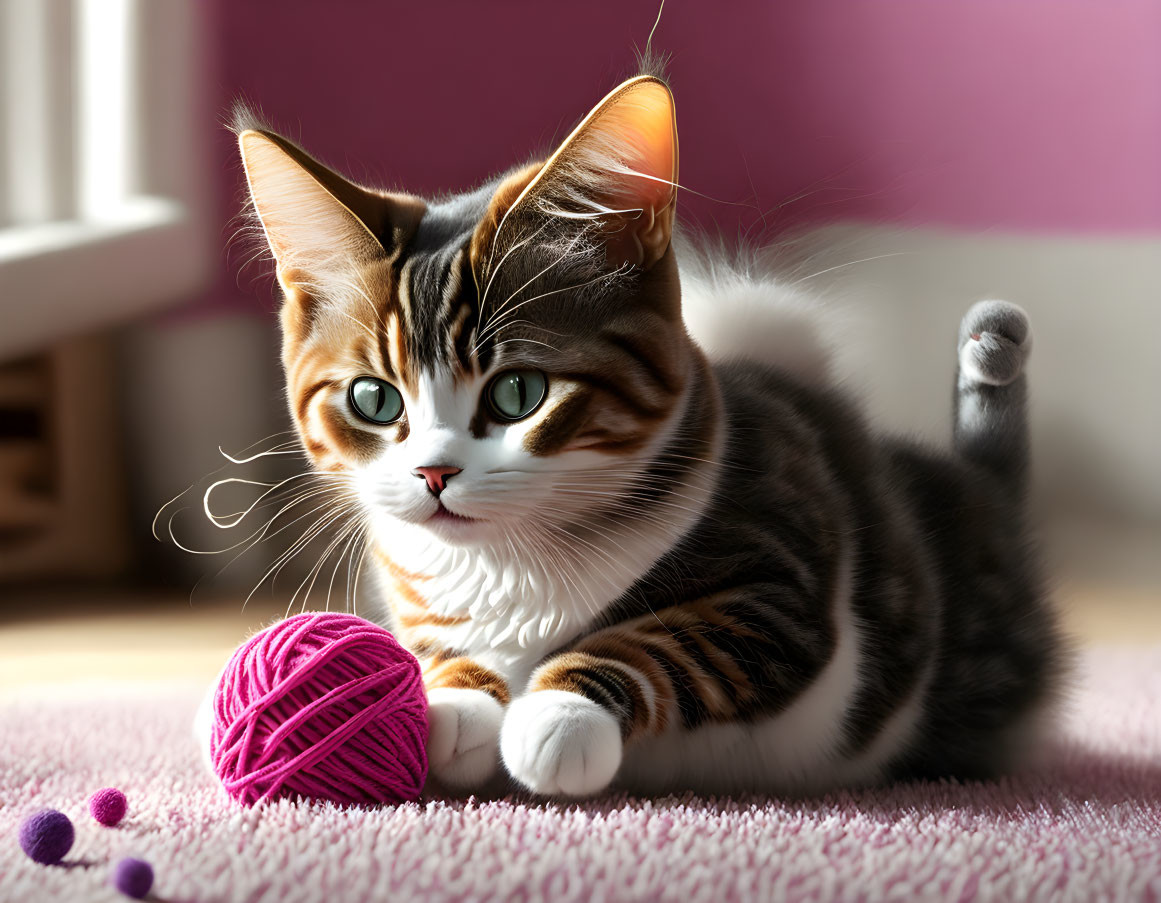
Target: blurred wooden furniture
pixel 62 486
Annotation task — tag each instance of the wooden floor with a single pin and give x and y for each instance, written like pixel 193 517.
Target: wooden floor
pixel 68 635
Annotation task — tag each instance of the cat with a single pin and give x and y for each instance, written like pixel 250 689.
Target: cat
pixel 623 562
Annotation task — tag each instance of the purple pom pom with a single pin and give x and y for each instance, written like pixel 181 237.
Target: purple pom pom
pixel 108 806
pixel 133 877
pixel 47 836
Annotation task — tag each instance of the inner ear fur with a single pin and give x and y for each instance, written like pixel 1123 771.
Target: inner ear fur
pixel 618 169
pixel 314 219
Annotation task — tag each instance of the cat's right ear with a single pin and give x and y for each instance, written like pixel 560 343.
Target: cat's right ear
pixel 316 222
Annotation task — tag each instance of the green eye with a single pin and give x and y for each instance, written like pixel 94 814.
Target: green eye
pixel 516 394
pixel 376 400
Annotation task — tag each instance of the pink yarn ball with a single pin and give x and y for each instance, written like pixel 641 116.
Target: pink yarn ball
pixel 323 706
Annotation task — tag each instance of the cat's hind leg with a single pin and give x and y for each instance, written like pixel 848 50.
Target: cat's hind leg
pixel 991 426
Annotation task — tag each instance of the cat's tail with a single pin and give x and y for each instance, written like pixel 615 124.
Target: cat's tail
pixel 991 418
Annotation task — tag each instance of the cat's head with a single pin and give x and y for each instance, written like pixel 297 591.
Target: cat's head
pixel 494 363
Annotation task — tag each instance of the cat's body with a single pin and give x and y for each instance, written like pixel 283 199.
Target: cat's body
pixel 660 572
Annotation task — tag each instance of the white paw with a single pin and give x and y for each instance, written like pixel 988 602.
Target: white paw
pixel 203 725
pixel 996 338
pixel 556 742
pixel 463 735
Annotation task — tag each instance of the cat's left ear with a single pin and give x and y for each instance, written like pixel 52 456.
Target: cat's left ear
pixel 618 168
pixel 316 222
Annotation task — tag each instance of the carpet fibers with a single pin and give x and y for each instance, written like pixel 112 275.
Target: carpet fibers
pixel 1086 825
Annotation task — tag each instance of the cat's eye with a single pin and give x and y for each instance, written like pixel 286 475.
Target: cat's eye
pixel 376 400
pixel 515 394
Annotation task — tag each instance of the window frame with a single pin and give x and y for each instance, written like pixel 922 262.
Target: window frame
pixel 150 249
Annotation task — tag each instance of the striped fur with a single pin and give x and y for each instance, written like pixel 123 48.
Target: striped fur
pixel 674 572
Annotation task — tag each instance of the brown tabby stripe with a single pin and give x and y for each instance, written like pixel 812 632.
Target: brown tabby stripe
pixel 297 316
pixel 355 442
pixel 680 669
pixel 612 442
pixel 392 351
pixel 644 353
pixel 429 651
pixel 622 418
pixel 605 680
pixel 554 430
pixel 725 657
pixel 465 674
pixel 691 446
pixel 617 390
pixel 483 238
pixel 410 621
pixel 410 606
pixel 462 330
pixel 397 570
pixel 306 396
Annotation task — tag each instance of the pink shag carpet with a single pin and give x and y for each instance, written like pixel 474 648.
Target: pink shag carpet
pixel 1085 826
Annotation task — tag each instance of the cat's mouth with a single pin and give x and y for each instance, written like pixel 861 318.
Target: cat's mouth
pixel 456 529
pixel 444 515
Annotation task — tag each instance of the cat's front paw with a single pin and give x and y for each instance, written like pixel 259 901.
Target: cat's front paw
pixel 556 742
pixel 463 736
pixel 996 338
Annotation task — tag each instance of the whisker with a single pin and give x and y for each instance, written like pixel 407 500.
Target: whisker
pixel 564 255
pixel 491 327
pixel 849 263
pixel 316 568
pixel 221 522
pixel 516 247
pixel 290 448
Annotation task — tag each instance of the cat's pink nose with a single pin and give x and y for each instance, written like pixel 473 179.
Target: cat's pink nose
pixel 436 477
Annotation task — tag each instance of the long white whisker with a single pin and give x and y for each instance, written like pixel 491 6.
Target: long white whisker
pixel 849 263
pixel 516 247
pixel 498 319
pixel 288 449
pixel 223 522
pixel 297 546
pixel 564 255
pixel 161 511
pixel 316 568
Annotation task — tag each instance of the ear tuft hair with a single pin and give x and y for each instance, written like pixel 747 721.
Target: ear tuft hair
pixel 651 62
pixel 245 116
pixel 655 64
pixel 618 171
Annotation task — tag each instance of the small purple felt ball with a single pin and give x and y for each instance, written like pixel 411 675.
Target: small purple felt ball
pixel 47 836
pixel 133 877
pixel 108 806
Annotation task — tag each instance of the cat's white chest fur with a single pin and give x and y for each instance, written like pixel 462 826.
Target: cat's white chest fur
pixel 517 611
pixel 520 606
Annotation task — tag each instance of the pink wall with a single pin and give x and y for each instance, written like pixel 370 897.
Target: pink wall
pixel 1040 115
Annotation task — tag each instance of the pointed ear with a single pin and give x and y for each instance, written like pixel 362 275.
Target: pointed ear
pixel 315 220
pixel 618 168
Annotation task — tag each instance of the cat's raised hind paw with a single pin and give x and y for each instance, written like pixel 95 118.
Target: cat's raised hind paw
pixel 555 742
pixel 995 339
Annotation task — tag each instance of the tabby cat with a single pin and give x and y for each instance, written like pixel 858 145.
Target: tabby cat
pixel 619 561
